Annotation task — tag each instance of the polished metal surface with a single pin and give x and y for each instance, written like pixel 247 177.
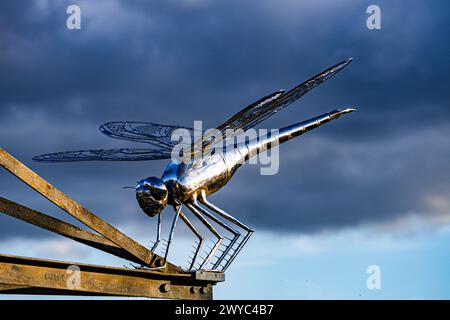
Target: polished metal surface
pixel 190 180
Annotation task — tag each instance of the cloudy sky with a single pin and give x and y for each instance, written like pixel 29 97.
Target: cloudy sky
pixel 369 189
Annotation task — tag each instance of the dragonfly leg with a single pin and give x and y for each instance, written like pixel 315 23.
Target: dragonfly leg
pixel 202 199
pixel 194 207
pixel 158 234
pixel 200 238
pixel 172 231
pixel 223 224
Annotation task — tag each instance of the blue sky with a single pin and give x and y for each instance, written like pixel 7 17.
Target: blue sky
pixel 370 189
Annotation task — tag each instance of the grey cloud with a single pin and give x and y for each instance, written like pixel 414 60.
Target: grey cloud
pixel 186 60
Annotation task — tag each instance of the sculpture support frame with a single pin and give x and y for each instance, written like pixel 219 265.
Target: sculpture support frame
pixel 22 275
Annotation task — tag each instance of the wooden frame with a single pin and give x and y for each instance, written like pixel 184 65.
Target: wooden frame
pixel 22 275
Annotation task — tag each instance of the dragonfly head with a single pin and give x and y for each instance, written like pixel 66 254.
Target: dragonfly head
pixel 152 195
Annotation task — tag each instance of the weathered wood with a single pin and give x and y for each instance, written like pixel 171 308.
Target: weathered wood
pixel 43 276
pixel 5 287
pixel 62 228
pixel 47 190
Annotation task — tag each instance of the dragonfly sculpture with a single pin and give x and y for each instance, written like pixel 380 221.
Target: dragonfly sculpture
pixel 190 182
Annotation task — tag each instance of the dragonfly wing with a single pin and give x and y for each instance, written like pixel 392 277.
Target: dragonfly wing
pixel 293 95
pixel 236 121
pixel 268 106
pixel 152 133
pixel 105 155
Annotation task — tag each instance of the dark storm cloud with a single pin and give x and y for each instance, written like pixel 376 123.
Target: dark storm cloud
pixel 177 61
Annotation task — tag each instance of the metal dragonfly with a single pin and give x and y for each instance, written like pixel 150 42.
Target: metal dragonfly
pixel 189 183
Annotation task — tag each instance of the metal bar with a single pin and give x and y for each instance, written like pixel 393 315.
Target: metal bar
pixel 41 276
pixel 65 229
pixel 74 209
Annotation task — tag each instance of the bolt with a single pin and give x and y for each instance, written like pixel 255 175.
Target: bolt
pixel 158 263
pixel 194 290
pixel 165 287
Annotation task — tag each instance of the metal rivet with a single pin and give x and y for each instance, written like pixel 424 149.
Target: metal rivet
pixel 194 289
pixel 165 287
pixel 203 290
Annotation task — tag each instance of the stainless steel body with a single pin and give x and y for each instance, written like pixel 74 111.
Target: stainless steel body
pixel 209 173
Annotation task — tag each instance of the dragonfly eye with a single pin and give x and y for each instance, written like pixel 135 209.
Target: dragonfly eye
pixel 152 195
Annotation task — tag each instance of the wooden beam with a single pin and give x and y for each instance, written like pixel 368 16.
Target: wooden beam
pixel 39 276
pixel 8 287
pixel 62 228
pixel 47 190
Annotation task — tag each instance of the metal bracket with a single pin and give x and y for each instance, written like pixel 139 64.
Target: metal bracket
pixel 210 275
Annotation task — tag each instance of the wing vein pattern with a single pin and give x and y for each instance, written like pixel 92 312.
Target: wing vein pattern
pixel 265 108
pixel 160 136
